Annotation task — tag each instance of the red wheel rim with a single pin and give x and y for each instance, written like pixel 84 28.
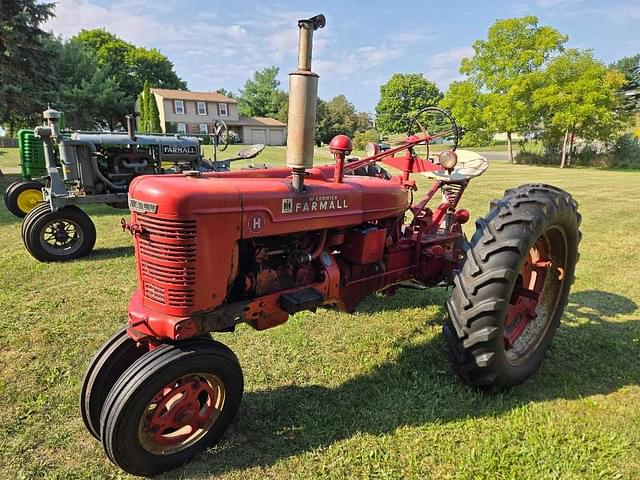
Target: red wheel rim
pixel 534 298
pixel 181 413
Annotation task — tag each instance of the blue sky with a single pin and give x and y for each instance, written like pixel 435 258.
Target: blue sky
pixel 219 44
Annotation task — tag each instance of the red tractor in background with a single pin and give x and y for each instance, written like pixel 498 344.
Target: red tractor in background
pixel 217 249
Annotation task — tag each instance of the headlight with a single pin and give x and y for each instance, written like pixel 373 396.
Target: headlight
pixel 371 149
pixel 448 159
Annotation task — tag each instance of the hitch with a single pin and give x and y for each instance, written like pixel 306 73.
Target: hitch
pixel 133 228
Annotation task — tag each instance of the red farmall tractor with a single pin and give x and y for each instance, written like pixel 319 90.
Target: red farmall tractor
pixel 217 249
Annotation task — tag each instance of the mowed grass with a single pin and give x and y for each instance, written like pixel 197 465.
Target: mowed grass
pixel 331 395
pixel 9 158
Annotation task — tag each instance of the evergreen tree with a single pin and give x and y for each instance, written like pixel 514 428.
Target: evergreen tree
pixel 25 61
pixel 153 115
pixel 145 114
pixel 141 105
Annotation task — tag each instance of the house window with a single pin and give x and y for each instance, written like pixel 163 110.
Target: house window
pixel 178 106
pixel 202 108
pixel 222 109
pixel 182 129
pixel 204 130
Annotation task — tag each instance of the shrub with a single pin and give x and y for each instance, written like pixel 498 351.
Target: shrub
pixel 476 138
pixel 362 138
pixel 627 152
pixel 623 153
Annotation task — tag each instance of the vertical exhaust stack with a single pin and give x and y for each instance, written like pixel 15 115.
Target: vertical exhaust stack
pixel 131 126
pixel 303 100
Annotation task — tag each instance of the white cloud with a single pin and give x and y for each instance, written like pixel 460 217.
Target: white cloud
pixel 210 52
pixel 75 15
pixel 410 39
pixel 443 67
pixel 373 56
pixel 557 3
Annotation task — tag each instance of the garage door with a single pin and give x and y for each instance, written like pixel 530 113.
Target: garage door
pixel 275 137
pixel 258 135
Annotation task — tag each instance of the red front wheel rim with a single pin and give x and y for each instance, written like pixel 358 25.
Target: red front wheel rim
pixel 181 413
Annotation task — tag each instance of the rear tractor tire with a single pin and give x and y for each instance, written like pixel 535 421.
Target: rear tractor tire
pixel 509 296
pixel 170 404
pixel 58 236
pixel 22 196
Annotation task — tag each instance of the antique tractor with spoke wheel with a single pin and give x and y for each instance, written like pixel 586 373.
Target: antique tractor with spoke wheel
pixel 217 249
pixel 95 168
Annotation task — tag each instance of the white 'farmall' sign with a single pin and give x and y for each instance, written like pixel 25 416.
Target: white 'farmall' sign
pixel 320 203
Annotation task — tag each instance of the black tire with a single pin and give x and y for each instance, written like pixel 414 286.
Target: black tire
pixel 490 342
pixel 41 229
pixel 108 364
pixel 7 191
pixel 149 382
pixel 20 188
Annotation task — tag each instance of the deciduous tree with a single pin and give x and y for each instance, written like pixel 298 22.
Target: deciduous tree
pixel 401 97
pixel 338 116
pixel 578 95
pixel 466 103
pixel 261 95
pixel 130 66
pixel 499 74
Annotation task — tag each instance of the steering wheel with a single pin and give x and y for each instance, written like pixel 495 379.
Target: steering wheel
pixel 219 136
pixel 437 123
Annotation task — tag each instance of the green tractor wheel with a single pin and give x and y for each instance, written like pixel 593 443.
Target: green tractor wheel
pixel 22 196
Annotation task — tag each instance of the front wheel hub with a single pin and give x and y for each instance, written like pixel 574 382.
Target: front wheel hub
pixel 533 299
pixel 181 413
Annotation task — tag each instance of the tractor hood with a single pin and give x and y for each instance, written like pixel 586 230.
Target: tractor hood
pixel 266 201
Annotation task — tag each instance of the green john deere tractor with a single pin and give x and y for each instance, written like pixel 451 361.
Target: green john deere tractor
pixel 24 195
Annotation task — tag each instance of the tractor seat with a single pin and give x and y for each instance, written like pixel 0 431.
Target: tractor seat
pixel 470 165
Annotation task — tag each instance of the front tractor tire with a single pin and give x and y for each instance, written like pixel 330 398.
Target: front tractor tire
pixel 22 196
pixel 170 404
pixel 509 296
pixel 109 363
pixel 65 234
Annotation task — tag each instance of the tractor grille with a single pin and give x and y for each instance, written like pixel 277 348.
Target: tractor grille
pixel 167 251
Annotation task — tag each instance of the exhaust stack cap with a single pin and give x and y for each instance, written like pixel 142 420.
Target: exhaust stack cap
pixel 303 100
pixel 51 114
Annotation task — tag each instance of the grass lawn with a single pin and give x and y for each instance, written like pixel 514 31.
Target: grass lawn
pixel 9 158
pixel 328 394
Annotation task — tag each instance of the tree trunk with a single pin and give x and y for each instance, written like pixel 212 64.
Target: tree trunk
pixel 564 148
pixel 572 138
pixel 510 147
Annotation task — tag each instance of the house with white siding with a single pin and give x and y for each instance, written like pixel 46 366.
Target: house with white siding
pixel 193 113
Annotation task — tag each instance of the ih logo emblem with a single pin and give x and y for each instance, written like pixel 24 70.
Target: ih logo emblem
pixel 287 205
pixel 256 222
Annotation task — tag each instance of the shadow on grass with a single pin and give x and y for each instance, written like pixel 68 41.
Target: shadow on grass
pixel 6 217
pixel 403 298
pixel 418 388
pixel 112 252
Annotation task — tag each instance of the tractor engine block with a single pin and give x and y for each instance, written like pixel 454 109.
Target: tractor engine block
pixel 270 264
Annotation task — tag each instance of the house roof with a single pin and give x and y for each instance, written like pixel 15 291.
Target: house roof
pixel 256 122
pixel 187 95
